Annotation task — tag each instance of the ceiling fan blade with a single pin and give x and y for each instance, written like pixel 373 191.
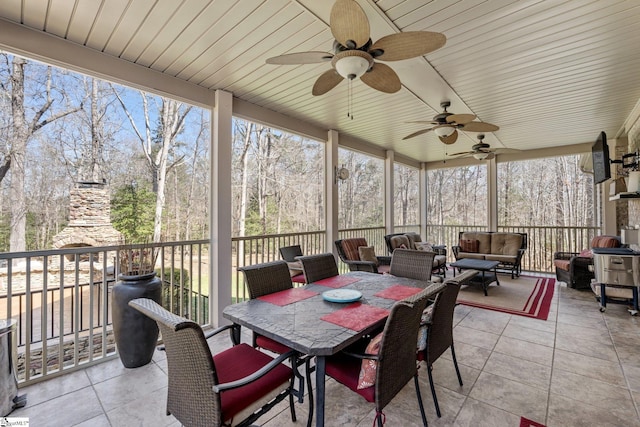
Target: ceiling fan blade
pixel 460 119
pixel 411 44
pixel 327 81
pixel 490 156
pixel 381 77
pixel 449 139
pixel 463 153
pixel 300 58
pixel 349 22
pixel 420 132
pixel 479 127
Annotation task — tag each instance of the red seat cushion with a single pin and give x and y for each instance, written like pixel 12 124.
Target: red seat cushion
pixel 271 345
pixel 346 370
pixel 299 278
pixel 237 362
pixel 562 264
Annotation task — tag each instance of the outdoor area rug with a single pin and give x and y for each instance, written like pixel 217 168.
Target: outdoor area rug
pixel 525 296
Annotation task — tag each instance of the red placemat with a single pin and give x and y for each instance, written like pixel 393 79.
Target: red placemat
pixel 337 281
pixel 397 292
pixel 288 296
pixel 356 316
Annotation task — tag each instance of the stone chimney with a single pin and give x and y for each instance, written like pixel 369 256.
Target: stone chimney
pixel 89 218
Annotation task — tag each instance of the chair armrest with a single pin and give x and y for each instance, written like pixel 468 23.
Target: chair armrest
pixel 256 375
pixel 565 255
pixel 581 261
pixel 455 250
pixel 216 331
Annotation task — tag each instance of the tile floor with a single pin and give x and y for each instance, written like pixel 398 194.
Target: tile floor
pixel 579 368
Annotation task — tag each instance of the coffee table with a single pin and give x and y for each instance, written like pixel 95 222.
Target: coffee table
pixel 487 271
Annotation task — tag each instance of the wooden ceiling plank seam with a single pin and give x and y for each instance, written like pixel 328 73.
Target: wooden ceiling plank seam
pixel 190 38
pixel 82 20
pixel 157 20
pixel 128 27
pixel 416 10
pixel 512 30
pixel 35 13
pixel 12 10
pixel 247 60
pixel 187 13
pixel 59 16
pixel 186 59
pixel 548 41
pixel 107 20
pixel 249 67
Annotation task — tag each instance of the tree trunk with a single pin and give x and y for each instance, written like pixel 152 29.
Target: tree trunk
pixel 17 242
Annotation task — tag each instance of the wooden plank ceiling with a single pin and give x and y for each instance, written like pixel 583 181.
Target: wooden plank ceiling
pixel 549 73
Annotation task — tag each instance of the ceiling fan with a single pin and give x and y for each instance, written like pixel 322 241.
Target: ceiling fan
pixel 355 55
pixel 446 125
pixel 482 150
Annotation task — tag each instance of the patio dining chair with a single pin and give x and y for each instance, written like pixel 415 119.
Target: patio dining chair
pixel 290 254
pixel 267 278
pixel 437 328
pixel 413 264
pixel 318 267
pixel 395 358
pixel 234 387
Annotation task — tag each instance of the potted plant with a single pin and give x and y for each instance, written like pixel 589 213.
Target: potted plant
pixel 135 334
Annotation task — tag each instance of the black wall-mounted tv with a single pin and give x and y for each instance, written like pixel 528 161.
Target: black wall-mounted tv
pixel 600 157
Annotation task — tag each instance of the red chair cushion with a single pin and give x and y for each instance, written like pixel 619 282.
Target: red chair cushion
pixel 562 264
pixel 346 370
pixel 271 345
pixel 238 362
pixel 605 242
pixel 350 247
pixel 299 278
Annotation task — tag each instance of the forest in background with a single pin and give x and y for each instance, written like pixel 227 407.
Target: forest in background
pixel 154 155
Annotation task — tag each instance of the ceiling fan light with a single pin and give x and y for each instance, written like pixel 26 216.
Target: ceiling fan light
pixel 480 156
pixel 444 131
pixel 352 67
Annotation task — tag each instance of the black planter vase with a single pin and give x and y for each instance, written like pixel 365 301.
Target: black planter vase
pixel 136 335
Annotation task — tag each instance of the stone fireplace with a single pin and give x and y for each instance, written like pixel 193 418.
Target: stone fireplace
pixel 89 218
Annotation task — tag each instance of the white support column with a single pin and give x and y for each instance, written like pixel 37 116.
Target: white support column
pixel 331 192
pixel 492 195
pixel 389 221
pixel 220 207
pixel 422 195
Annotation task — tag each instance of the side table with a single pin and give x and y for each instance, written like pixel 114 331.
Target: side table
pixel 9 399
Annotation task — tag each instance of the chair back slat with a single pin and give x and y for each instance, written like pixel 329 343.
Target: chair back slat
pixel 318 267
pixel 266 278
pixel 412 264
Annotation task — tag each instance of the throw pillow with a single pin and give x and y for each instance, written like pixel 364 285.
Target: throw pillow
pixel 367 253
pixel 428 247
pixel 367 377
pixel 587 253
pixel 469 245
pixel 295 268
pixel 422 332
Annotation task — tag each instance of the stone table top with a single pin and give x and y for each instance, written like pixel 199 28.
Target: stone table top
pixel 298 325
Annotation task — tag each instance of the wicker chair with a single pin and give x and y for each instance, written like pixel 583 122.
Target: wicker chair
pixel 290 254
pixel 318 267
pixel 264 279
pixel 206 390
pixel 439 328
pixel 413 264
pixel 349 254
pixel 576 268
pixel 396 357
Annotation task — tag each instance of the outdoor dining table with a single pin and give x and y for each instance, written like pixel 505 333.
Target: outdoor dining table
pixel 301 319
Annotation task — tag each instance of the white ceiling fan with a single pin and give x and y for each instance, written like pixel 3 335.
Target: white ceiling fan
pixel 482 150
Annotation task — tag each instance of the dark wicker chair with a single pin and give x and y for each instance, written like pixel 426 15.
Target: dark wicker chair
pixel 290 254
pixel 348 253
pixel 264 279
pixel 439 328
pixel 576 268
pixel 206 390
pixel 396 357
pixel 410 240
pixel 318 267
pixel 413 264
